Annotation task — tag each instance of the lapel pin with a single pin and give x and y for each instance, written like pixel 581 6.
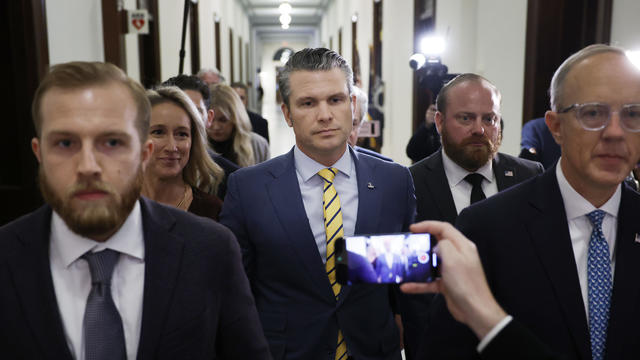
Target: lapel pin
pixel 637 238
pixel 370 186
pixel 508 173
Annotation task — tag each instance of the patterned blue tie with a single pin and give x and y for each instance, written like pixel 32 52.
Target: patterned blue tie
pixel 600 284
pixel 103 333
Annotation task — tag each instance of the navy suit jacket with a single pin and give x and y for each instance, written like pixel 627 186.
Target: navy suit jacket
pixel 197 301
pixel 524 244
pixel 298 310
pixel 435 202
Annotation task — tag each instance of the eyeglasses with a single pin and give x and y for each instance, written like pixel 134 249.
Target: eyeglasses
pixel 596 116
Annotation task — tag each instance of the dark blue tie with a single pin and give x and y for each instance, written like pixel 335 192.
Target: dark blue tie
pixel 477 194
pixel 599 285
pixel 103 333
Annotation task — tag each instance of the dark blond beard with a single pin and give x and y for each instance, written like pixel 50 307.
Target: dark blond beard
pixel 93 220
pixel 470 159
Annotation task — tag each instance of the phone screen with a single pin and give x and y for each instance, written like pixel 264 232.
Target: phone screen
pixel 386 259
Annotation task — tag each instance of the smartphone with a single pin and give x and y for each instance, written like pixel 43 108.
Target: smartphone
pixel 386 259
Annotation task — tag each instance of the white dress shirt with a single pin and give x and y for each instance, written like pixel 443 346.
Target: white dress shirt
pixel 72 279
pixel 311 186
pixel 460 188
pixel 580 227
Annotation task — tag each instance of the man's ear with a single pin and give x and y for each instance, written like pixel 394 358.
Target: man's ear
pixel 35 147
pixel 439 119
pixel 287 114
pixel 209 120
pixel 553 123
pixel 145 153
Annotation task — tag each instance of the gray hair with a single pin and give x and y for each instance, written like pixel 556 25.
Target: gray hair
pixel 362 102
pixel 312 59
pixel 559 77
pixel 443 96
pixel 214 71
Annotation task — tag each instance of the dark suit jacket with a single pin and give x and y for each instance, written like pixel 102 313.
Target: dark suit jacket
pixel 197 301
pixel 433 196
pixel 297 307
pixel 435 202
pixel 524 244
pixel 259 124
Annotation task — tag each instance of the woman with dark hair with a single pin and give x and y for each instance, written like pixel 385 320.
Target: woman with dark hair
pixel 180 172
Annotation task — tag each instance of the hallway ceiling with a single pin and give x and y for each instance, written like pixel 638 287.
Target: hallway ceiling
pixel 304 12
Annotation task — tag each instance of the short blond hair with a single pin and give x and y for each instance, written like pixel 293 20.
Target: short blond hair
pixel 82 74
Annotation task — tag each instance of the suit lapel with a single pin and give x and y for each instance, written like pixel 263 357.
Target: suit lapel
pixel 288 206
pixel 438 185
pixel 506 175
pixel 625 285
pixel 163 255
pixel 369 198
pixel 546 221
pixel 31 273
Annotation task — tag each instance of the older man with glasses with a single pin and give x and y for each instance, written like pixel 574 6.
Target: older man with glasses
pixel 562 251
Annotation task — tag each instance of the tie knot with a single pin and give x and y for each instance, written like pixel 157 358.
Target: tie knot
pixel 474 179
pixel 596 217
pixel 101 265
pixel 328 174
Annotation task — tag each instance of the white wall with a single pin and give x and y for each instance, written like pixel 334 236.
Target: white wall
pixel 487 37
pixel 74 30
pixel 625 27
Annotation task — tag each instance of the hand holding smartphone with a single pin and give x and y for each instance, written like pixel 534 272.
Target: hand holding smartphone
pixel 386 259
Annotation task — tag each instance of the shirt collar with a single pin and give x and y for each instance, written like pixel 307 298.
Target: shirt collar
pixel 127 240
pixel 307 167
pixel 456 173
pixel 576 205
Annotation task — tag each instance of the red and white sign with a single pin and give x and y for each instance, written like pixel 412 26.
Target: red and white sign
pixel 138 21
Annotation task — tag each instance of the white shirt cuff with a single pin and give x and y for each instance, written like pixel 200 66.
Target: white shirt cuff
pixel 492 334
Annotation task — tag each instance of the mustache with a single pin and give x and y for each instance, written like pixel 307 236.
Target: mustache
pixel 90 186
pixel 475 139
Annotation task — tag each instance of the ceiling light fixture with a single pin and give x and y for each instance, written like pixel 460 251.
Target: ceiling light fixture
pixel 285 8
pixel 285 19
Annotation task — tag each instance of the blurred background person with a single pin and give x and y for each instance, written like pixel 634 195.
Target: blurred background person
pixel 180 172
pixel 230 134
pixel 537 143
pixel 426 140
pixel 259 124
pixel 211 76
pixel 361 107
pixel 200 94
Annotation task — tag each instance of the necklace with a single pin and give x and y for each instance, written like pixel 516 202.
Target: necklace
pixel 184 197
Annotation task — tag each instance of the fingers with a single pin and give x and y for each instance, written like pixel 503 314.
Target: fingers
pixel 421 288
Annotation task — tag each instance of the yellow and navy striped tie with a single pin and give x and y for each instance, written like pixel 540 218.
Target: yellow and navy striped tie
pixel 334 230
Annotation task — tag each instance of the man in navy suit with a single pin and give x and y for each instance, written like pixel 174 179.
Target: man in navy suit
pixel 100 273
pixel 278 213
pixel 562 251
pixel 468 120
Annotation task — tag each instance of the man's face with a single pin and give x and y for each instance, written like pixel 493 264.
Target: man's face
pixel 91 158
pixel 353 136
pixel 210 78
pixel 470 132
pixel 595 162
pixel 196 97
pixel 243 95
pixel 320 112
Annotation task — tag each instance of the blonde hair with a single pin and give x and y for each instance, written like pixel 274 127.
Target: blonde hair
pixel 201 171
pixel 225 101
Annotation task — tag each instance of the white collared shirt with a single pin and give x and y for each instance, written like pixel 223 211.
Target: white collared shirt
pixel 72 278
pixel 461 189
pixel 311 186
pixel 580 227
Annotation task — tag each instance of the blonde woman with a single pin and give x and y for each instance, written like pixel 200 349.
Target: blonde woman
pixel 230 134
pixel 180 172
